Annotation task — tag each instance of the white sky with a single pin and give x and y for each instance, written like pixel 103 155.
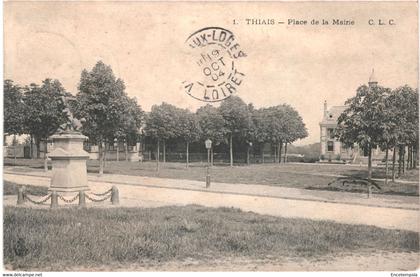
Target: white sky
pixel 144 44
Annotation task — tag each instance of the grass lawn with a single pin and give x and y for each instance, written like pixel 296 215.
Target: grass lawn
pixel 312 176
pixel 289 175
pixel 65 238
pixel 10 188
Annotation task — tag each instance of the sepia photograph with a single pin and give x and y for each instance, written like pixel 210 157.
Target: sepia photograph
pixel 222 136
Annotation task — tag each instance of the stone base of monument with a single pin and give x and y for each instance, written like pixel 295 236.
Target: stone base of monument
pixel 69 172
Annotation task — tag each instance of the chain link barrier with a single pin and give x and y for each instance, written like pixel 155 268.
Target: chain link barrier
pixel 107 195
pixel 98 200
pixel 68 200
pixel 102 194
pixel 38 202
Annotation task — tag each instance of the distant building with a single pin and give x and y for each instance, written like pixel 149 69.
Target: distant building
pixel 332 149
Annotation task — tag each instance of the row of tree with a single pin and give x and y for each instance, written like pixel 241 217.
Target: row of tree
pixel 384 118
pixel 35 109
pixel 38 110
pixel 111 115
pixel 233 121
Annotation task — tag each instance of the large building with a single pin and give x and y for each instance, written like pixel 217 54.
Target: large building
pixel 332 149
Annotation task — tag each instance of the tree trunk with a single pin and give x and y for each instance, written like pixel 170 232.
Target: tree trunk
pixel 281 148
pixel 212 155
pixel 399 160
pixel 105 152
pixel 31 147
pixel 275 153
pixel 413 158
pixel 45 164
pixel 118 152
pixel 126 150
pixel 45 156
pixel 408 157
pixel 407 162
pixel 101 162
pixel 413 149
pixel 370 163
pixel 14 149
pixel 386 165
pixel 407 166
pixel 285 152
pixel 188 146
pixel 38 146
pixel 403 160
pixel 157 156
pixel 164 151
pixel 247 155
pixel 262 153
pixel 231 150
pixel 394 157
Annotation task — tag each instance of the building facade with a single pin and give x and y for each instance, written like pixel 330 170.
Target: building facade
pixel 332 149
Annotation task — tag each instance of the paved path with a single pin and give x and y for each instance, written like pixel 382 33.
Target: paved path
pixel 395 212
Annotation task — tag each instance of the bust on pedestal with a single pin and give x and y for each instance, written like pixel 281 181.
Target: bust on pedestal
pixel 69 172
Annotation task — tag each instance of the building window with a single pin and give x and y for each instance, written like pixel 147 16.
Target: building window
pixel 330 146
pixel 330 133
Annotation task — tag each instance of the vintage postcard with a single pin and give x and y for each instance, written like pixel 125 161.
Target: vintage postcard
pixel 210 136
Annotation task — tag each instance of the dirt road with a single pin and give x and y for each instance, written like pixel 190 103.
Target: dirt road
pixel 148 195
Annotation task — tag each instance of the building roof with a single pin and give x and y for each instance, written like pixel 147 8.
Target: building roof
pixel 331 115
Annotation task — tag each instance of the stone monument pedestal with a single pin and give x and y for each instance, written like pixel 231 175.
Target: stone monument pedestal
pixel 69 172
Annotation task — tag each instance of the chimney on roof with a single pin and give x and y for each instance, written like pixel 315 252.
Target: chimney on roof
pixel 372 79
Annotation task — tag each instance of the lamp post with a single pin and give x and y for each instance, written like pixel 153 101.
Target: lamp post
pixel 208 147
pixel 118 152
pixel 247 154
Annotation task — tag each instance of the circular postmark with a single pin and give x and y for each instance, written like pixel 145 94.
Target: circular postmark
pixel 213 73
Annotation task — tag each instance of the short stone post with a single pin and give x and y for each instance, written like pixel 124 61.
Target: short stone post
pixel 21 196
pixel 54 199
pixel 115 198
pixel 82 199
pixel 369 191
